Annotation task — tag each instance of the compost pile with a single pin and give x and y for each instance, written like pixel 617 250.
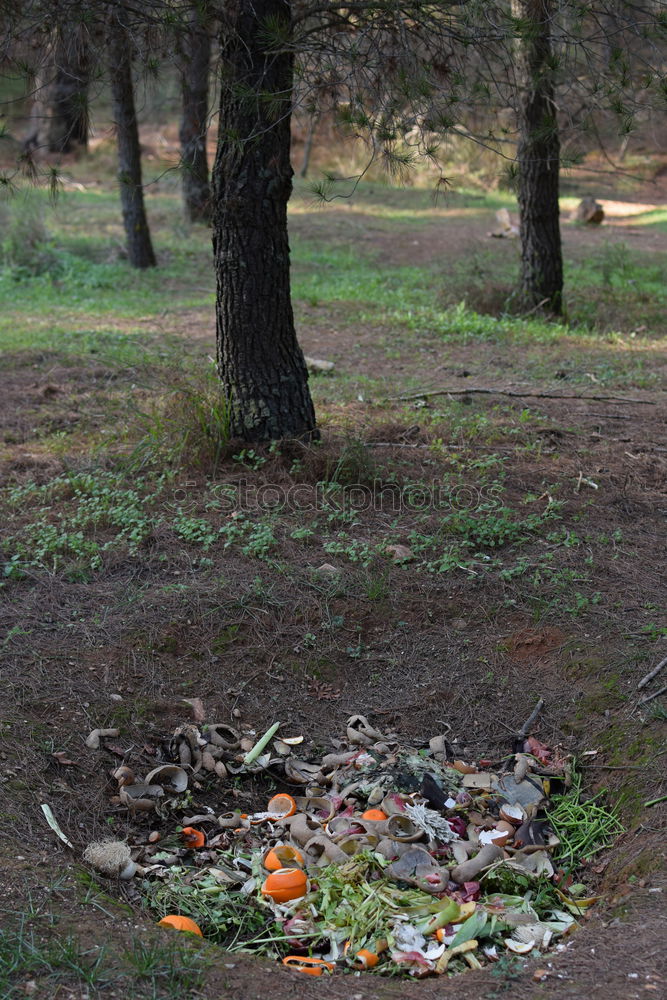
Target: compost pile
pixel 378 856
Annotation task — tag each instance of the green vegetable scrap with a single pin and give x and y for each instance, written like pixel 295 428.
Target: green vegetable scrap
pixel 583 826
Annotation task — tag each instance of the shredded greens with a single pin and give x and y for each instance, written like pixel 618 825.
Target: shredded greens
pixel 584 828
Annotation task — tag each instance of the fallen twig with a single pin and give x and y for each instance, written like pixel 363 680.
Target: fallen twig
pixel 614 767
pixel 651 674
pixel 445 447
pixel 402 444
pixel 525 729
pixel 520 395
pixel 610 416
pixel 654 802
pixel 533 310
pixel 656 694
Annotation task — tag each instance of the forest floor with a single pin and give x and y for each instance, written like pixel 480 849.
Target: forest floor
pixel 128 587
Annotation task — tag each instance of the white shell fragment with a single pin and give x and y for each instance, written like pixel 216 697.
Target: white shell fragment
pixel 514 814
pixel 93 741
pixel 141 797
pixel 170 777
pixel 519 947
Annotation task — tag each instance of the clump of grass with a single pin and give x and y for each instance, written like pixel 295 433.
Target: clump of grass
pixel 658 712
pixel 63 958
pixel 173 970
pixel 27 249
pixel 353 466
pixel 188 425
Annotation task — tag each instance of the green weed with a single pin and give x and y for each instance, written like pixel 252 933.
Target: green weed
pixel 188 425
pixel 506 972
pixel 653 631
pixel 26 954
pixel 658 712
pixel 249 458
pixel 85 517
pixel 27 248
pixel 168 969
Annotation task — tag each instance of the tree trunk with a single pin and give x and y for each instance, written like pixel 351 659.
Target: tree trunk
pixel 195 60
pixel 59 113
pixel 139 247
pixel 538 158
pixel 260 363
pixel 68 118
pixel 313 122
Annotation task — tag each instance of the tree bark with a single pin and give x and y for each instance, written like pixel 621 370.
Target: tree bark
pixel 68 119
pixel 260 363
pixel 313 122
pixel 538 158
pixel 195 60
pixel 59 113
pixel 139 247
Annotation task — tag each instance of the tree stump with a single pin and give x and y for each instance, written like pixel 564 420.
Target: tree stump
pixel 589 211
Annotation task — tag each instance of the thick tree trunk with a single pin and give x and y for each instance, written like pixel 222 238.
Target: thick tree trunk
pixel 261 365
pixel 68 119
pixel 195 60
pixel 538 158
pixel 59 113
pixel 139 247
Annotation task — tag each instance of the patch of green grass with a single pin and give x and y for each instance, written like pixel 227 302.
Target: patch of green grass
pixel 25 954
pixel 656 217
pixel 407 205
pixel 129 346
pixel 167 970
pixel 33 949
pixel 100 515
pixel 91 303
pixel 87 284
pixel 74 522
pixel 428 305
pixel 80 524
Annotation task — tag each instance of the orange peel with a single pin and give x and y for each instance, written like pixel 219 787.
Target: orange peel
pixel 282 856
pixel 193 838
pixel 177 922
pixel 311 966
pixel 374 815
pixel 365 959
pixel 282 805
pixel 285 884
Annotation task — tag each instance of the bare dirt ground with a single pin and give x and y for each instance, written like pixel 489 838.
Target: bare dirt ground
pixel 478 672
